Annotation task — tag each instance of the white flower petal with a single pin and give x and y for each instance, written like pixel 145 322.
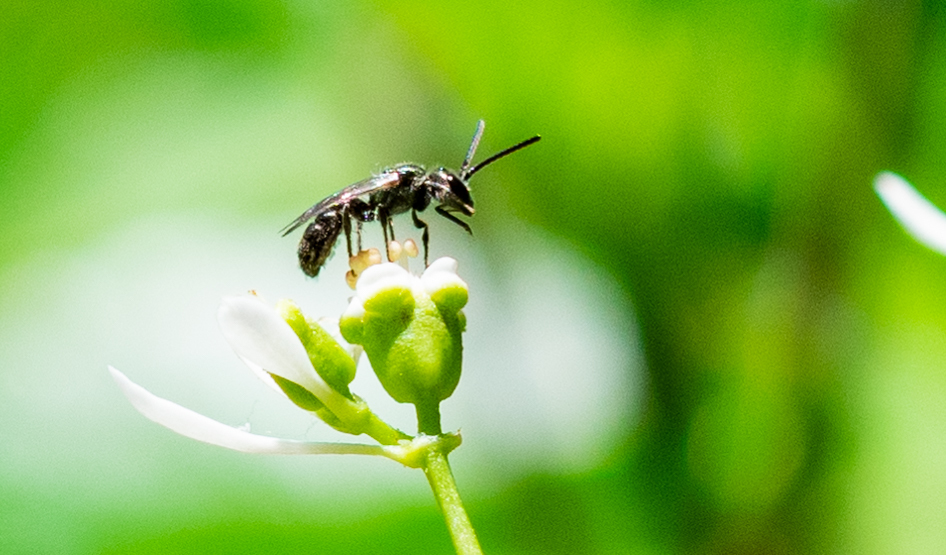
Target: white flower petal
pixel 442 273
pixel 917 215
pixel 263 375
pixel 259 335
pixel 443 264
pixel 380 277
pixel 355 309
pixel 197 426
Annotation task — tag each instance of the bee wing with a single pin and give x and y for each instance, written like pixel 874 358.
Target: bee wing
pixel 387 179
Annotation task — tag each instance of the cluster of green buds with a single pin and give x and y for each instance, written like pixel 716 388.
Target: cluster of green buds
pixel 410 327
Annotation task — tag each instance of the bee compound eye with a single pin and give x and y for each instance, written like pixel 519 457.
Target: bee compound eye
pixel 459 189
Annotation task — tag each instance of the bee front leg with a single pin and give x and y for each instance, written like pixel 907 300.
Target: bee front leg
pixel 440 210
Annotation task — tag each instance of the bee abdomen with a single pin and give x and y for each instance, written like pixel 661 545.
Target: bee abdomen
pixel 318 241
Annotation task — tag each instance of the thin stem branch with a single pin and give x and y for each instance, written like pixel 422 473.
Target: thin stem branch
pixel 440 477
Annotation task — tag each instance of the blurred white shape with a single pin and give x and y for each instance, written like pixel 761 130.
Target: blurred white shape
pixel 197 426
pixel 924 221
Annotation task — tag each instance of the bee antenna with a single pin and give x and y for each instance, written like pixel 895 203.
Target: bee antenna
pixel 468 173
pixel 480 126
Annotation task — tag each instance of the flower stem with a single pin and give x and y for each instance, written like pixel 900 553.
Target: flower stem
pixel 382 432
pixel 428 417
pixel 440 477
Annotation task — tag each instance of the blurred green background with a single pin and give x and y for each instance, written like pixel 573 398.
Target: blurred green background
pixel 693 327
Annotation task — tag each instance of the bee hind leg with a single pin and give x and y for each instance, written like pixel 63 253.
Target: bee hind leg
pixel 346 225
pixel 386 227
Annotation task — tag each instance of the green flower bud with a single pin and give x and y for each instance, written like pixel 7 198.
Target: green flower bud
pixel 303 360
pixel 332 362
pixel 410 329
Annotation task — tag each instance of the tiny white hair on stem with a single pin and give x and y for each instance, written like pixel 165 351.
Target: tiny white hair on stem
pixel 918 216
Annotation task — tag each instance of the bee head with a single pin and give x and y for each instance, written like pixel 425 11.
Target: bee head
pixel 452 191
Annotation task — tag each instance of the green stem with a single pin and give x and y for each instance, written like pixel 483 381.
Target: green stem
pixel 383 433
pixel 428 417
pixel 440 477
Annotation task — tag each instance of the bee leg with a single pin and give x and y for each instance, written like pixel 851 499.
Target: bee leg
pixel 425 236
pixel 359 234
pixel 385 223
pixel 440 210
pixel 346 225
pixel 393 239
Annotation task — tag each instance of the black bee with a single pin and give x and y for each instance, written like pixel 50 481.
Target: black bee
pixel 395 191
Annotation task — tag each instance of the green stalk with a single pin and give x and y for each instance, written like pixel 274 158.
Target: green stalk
pixel 428 417
pixel 440 477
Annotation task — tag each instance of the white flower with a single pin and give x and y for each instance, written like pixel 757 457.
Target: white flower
pixel 438 280
pixel 197 426
pixel 925 222
pixel 270 347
